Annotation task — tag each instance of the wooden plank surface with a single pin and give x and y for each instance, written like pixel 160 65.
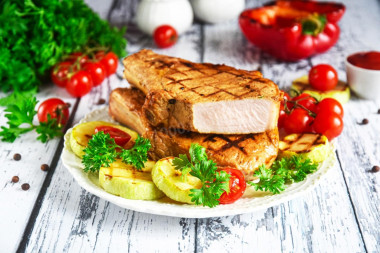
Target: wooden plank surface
pixel 340 215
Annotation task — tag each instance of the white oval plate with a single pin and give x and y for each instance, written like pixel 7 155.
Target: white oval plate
pixel 250 202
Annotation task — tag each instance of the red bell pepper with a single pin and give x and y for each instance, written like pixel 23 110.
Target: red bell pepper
pixel 293 30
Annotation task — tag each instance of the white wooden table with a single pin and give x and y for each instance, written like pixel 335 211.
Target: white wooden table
pixel 340 215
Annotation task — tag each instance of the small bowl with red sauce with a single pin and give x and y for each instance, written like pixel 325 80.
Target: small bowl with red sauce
pixel 363 74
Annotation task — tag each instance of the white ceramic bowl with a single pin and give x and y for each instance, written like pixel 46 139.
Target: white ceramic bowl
pixel 217 11
pixel 364 82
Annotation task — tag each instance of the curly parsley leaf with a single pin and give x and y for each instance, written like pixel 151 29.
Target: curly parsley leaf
pixel 138 154
pixel 214 183
pixel 284 171
pixel 102 151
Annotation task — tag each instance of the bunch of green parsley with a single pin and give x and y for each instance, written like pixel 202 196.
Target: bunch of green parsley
pixel 36 34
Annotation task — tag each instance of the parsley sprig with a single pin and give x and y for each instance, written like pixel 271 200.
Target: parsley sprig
pixel 102 150
pixel 283 171
pixel 20 115
pixel 214 183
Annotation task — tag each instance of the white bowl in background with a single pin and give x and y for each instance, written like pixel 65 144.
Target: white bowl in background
pixel 217 11
pixel 364 82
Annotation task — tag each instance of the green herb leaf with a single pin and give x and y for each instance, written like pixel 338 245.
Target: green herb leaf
pixel 49 130
pixel 214 183
pixel 138 154
pixel 284 171
pixel 100 152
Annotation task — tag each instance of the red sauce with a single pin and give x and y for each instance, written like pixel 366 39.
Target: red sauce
pixel 366 60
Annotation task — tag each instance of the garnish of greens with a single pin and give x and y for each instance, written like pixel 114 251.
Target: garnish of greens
pixel 20 114
pixel 102 150
pixel 37 34
pixel 214 183
pixel 284 171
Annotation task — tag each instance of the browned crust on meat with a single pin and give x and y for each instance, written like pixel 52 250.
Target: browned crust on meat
pixel 245 152
pixel 173 85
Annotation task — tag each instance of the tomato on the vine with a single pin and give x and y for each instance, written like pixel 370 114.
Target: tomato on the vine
pixel 109 61
pixel 78 55
pixel 165 36
pixel 96 70
pixel 298 121
pixel 306 101
pixel 237 186
pixel 59 73
pixel 330 105
pixel 120 137
pixel 56 108
pixel 282 113
pixel 323 77
pixel 79 84
pixel 328 123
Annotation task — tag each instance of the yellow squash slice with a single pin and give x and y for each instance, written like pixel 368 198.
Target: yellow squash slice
pixel 82 133
pixel 341 92
pixel 312 146
pixel 169 180
pixel 125 181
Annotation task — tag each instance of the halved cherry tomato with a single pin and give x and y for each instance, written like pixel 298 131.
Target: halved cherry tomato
pixel 306 101
pixel 96 70
pixel 109 61
pixel 237 186
pixel 328 123
pixel 330 105
pixel 323 77
pixel 120 137
pixel 165 36
pixel 79 84
pixel 56 108
pixel 298 121
pixel 59 73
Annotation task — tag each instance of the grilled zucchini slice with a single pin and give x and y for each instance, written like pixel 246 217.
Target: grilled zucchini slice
pixel 169 180
pixel 341 92
pixel 308 146
pixel 82 133
pixel 125 181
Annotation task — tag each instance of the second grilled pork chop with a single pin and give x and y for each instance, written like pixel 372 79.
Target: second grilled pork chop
pixel 204 98
pixel 244 152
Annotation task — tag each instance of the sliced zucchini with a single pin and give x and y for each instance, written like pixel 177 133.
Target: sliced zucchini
pixel 82 133
pixel 312 146
pixel 169 180
pixel 341 92
pixel 125 181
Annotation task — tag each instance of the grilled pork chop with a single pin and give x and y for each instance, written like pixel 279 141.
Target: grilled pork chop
pixel 242 151
pixel 204 98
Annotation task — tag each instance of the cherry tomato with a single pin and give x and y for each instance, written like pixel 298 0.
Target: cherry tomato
pixel 329 124
pixel 237 186
pixel 330 105
pixel 165 36
pixel 298 121
pixel 59 73
pixel 56 108
pixel 282 113
pixel 96 70
pixel 109 61
pixel 323 77
pixel 78 55
pixel 306 101
pixel 120 137
pixel 79 84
